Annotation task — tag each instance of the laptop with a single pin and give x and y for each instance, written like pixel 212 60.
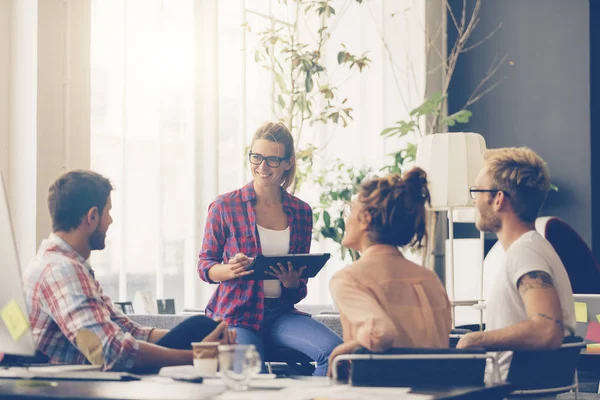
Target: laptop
pixel 12 300
pixel 16 338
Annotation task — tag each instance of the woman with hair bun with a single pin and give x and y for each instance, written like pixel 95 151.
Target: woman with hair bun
pixel 385 300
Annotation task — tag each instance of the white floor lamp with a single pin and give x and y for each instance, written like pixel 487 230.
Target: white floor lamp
pixel 452 161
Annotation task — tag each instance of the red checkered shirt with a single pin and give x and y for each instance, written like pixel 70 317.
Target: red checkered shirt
pixel 231 229
pixel 64 298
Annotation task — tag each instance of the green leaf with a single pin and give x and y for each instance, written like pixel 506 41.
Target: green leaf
pixel 281 101
pixel 461 117
pixel 430 106
pixel 301 102
pixel 389 131
pixel 334 117
pixel 308 82
pixel 328 232
pixel 401 130
pixel 327 9
pixel 280 82
pixel 346 194
pixel 343 56
pixel 327 92
pixel 326 219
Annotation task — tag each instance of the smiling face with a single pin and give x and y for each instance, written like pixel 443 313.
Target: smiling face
pixel 263 174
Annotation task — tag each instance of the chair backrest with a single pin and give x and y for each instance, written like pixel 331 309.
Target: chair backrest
pixel 409 367
pixel 576 256
pixel 546 369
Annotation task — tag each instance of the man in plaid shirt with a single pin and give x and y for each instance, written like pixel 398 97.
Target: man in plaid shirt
pixel 72 321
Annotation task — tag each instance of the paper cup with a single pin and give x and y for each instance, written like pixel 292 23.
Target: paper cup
pixel 205 357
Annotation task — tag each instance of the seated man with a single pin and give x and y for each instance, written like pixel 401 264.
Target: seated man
pixel 72 320
pixel 531 303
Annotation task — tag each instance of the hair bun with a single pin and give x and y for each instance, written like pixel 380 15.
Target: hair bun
pixel 416 180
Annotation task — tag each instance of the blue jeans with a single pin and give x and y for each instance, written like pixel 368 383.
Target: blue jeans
pixel 298 332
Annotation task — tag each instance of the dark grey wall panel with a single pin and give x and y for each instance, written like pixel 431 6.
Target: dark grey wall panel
pixel 544 100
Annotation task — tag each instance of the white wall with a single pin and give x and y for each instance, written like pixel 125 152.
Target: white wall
pixel 4 83
pixel 22 141
pixel 44 105
pixel 63 96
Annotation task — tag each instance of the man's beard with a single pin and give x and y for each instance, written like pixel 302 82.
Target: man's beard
pixel 489 222
pixel 97 239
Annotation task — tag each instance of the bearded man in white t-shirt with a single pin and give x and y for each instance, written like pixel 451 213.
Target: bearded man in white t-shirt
pixel 530 305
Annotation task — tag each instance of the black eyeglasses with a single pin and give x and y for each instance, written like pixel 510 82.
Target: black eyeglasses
pixel 473 191
pixel 272 162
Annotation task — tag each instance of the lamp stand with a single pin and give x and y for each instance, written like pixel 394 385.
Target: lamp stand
pixel 450 266
pixel 482 239
pixel 449 275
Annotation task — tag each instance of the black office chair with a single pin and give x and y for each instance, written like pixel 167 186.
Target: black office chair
pixel 537 372
pixel 410 367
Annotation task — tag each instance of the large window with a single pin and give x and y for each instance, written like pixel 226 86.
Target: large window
pixel 149 58
pixel 142 127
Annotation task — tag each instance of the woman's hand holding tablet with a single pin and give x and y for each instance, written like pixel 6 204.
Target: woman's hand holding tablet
pixel 289 277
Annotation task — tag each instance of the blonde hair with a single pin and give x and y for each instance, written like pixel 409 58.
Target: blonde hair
pixel 523 175
pixel 397 208
pixel 277 132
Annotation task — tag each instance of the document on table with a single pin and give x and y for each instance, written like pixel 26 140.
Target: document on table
pixel 336 392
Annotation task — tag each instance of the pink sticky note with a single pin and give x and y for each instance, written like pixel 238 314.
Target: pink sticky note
pixel 593 332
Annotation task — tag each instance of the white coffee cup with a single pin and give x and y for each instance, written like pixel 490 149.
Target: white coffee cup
pixel 206 357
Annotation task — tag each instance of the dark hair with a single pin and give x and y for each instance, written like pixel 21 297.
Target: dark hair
pixel 397 207
pixel 73 194
pixel 277 132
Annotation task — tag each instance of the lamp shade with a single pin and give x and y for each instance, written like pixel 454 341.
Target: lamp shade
pixel 452 162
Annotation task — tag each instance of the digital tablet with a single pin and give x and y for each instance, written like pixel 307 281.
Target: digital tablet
pixel 261 264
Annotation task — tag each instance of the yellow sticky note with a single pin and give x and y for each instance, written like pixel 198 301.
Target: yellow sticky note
pixel 598 318
pixel 14 319
pixel 581 312
pixel 593 348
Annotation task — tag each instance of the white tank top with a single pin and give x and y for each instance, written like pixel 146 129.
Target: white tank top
pixel 273 242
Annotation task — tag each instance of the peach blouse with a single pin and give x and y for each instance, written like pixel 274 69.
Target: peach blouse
pixel 387 301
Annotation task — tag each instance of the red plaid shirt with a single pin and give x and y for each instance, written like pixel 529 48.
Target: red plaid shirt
pixel 231 229
pixel 64 298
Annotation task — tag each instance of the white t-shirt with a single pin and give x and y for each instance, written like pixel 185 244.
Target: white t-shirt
pixel 273 242
pixel 530 252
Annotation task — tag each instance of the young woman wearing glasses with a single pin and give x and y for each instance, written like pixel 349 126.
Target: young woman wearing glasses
pixel 263 218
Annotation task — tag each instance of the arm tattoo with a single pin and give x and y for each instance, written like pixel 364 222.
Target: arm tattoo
pixel 558 321
pixel 534 280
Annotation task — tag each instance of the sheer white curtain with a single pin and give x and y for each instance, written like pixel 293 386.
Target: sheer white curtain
pixel 175 99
